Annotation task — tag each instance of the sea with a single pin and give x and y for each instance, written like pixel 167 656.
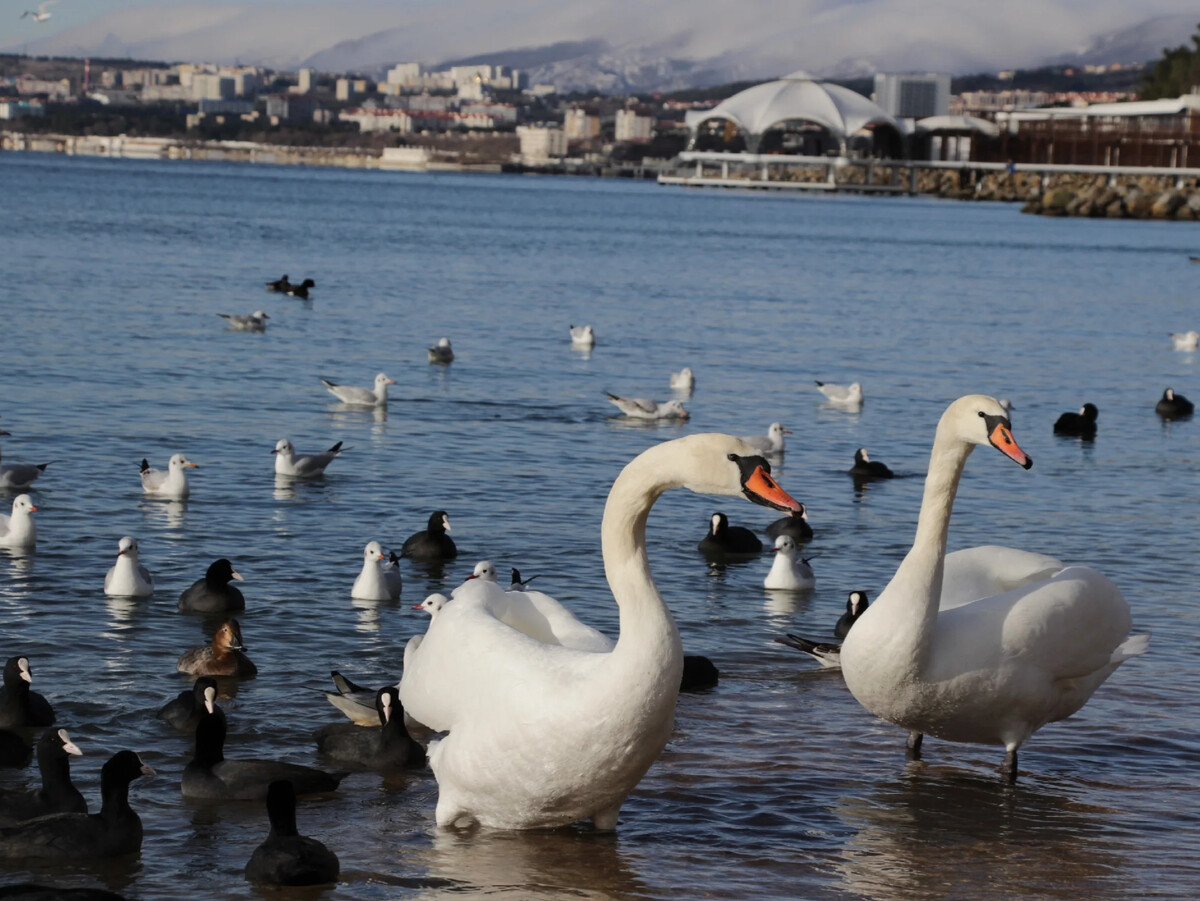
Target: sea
pixel 776 783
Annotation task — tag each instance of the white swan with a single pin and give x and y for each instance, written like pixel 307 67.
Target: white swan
pixel 172 484
pixel 995 669
pixel 18 530
pixel 361 397
pixel 375 582
pixel 789 572
pixel 542 735
pixel 128 578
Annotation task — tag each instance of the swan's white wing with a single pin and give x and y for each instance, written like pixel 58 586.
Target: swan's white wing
pixel 980 572
pixel 470 665
pixel 534 613
pixel 564 627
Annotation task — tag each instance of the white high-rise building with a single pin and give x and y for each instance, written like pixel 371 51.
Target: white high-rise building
pixel 913 96
pixel 404 73
pixel 632 127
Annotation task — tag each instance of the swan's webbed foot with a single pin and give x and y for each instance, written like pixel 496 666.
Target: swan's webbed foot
pixel 606 820
pixel 913 751
pixel 1008 768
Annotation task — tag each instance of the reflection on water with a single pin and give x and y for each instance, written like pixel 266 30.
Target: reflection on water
pixel 369 619
pixel 785 604
pixel 935 833
pixel 173 514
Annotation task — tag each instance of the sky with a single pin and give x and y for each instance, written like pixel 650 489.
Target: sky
pixel 942 35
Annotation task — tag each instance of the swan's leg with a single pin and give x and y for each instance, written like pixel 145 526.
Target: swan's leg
pixel 914 745
pixel 606 820
pixel 1009 767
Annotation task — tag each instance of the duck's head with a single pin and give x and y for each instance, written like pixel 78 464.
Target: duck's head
pixel 979 419
pixel 439 521
pixel 60 742
pixel 228 636
pixel 124 766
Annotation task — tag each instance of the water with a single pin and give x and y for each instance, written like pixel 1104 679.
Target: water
pixel 777 784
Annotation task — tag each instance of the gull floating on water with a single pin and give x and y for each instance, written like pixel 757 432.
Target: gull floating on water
pixel 302 466
pixel 19 475
pixel 18 530
pixel 441 352
pixel 362 397
pixel 582 336
pixel 1186 340
pixel 848 396
pixel 255 322
pixel 770 443
pixel 683 380
pixel 128 578
pixel 645 408
pixel 173 483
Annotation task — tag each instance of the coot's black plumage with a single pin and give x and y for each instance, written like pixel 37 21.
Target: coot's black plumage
pixel 1174 406
pixel 183 711
pixel 213 593
pixel 209 776
pixel 856 606
pixel 114 831
pixel 30 891
pixel 829 654
pixel 382 747
pixel 19 704
pixel 300 290
pixel 280 284
pixel 866 468
pixel 726 540
pixel 14 750
pixel 1078 425
pixel 431 543
pixel 699 673
pixel 794 524
pixel 287 857
pixel 57 794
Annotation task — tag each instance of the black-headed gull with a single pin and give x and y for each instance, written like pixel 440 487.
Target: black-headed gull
pixel 441 352
pixel 172 484
pixel 19 475
pixel 18 530
pixel 361 397
pixel 582 336
pixel 829 655
pixel 1186 340
pixel 302 466
pixel 255 322
pixel 378 580
pixel 848 396
pixel 42 13
pixel 683 380
pixel 770 443
pixel 788 571
pixel 128 578
pixel 645 408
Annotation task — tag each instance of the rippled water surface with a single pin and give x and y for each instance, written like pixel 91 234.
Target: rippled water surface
pixel 776 784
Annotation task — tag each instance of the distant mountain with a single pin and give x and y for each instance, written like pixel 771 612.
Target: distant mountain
pixel 606 46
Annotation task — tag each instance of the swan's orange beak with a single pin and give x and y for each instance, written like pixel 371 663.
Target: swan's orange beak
pixel 762 489
pixel 1002 439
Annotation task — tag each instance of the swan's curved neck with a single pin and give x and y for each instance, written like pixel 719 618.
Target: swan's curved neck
pixel 916 588
pixel 646 623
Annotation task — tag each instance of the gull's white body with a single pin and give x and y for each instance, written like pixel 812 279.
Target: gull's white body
pixel 441 352
pixel 1189 340
pixel 540 734
pixel 645 408
pixel 128 578
pixel 255 322
pixel 982 667
pixel 302 466
pixel 375 583
pixel 683 380
pixel 172 484
pixel 771 443
pixel 18 530
pixel 362 397
pixel 848 396
pixel 788 571
pixel 582 336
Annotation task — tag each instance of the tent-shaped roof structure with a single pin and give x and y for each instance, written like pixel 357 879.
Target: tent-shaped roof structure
pixel 797 96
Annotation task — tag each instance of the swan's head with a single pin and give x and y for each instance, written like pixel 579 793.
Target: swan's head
pixel 373 551
pixel 714 463
pixel 484 572
pixel 979 419
pixel 785 546
pixel 127 547
pixel 283 446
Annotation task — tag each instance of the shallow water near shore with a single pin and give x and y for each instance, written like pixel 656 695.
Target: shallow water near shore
pixel 776 784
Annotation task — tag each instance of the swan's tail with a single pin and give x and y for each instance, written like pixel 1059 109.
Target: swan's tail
pixel 1132 646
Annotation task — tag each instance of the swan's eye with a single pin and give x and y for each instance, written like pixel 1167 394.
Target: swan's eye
pixel 982 415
